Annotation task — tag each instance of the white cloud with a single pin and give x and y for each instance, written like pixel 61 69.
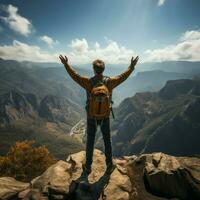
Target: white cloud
pixel 190 35
pixel 113 53
pixel 79 46
pixel 21 51
pixel 97 45
pixel 187 48
pixel 81 52
pixel 48 40
pixel 15 21
pixel 161 2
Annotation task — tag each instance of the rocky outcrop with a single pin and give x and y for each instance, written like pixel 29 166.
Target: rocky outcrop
pixel 10 188
pixel 165 176
pixel 171 177
pixel 154 176
pixel 63 180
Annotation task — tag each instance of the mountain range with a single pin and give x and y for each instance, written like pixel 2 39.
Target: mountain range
pixel 155 109
pixel 167 121
pixel 23 116
pixel 51 78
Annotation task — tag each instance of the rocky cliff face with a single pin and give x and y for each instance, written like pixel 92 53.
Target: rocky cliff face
pixel 154 176
pixel 166 121
pixel 38 80
pixel 59 109
pixel 174 88
pixel 15 105
pixel 48 121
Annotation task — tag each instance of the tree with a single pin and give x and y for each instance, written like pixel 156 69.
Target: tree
pixel 24 161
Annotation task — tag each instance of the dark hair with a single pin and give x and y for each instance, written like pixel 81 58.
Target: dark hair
pixel 98 66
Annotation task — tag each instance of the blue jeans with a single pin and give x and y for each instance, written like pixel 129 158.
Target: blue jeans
pixel 91 131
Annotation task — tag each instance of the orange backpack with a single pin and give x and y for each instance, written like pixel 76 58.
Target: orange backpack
pixel 99 99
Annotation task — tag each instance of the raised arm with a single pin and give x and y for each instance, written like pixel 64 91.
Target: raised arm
pixel 81 80
pixel 116 80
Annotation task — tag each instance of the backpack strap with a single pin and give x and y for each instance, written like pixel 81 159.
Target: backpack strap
pixel 92 81
pixel 105 79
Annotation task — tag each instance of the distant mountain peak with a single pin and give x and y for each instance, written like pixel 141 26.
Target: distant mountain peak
pixel 15 105
pixel 174 88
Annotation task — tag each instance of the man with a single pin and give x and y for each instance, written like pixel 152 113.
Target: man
pixel 92 122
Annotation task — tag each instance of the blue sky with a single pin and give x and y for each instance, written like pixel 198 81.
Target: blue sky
pixel 114 30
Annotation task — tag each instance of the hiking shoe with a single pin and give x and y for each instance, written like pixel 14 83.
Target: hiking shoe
pixel 110 168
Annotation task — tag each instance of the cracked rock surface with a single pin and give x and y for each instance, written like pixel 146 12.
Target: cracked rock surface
pixel 154 176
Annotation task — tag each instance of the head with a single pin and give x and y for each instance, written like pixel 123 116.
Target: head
pixel 98 66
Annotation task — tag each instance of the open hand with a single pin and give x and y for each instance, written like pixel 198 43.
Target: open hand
pixel 64 60
pixel 134 61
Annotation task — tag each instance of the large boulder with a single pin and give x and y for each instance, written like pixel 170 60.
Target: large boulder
pixel 63 180
pixel 171 177
pixel 9 187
